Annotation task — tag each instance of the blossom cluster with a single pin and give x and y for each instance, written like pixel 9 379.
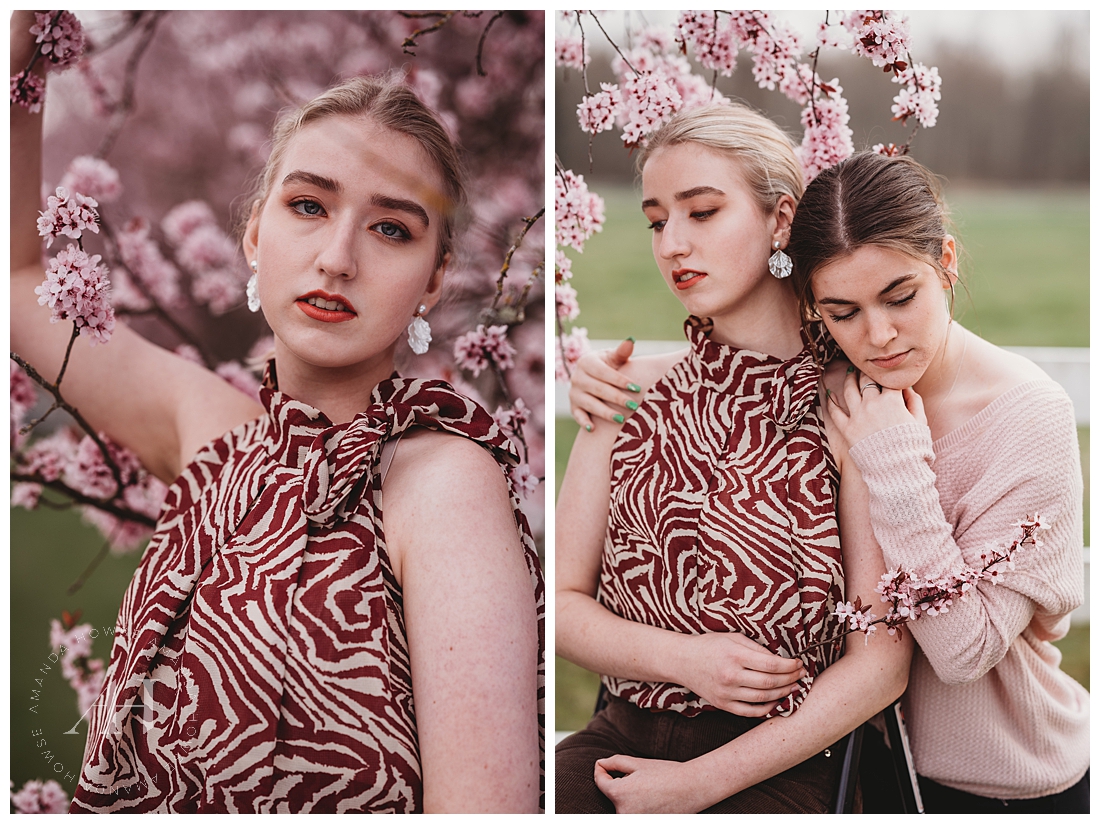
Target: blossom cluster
pixel 920 96
pixel 578 213
pixel 76 289
pixel 79 465
pixel 23 397
pixel 911 596
pixel 484 347
pixel 84 673
pixel 60 39
pixel 68 214
pixel 37 798
pixel 881 36
pixel 207 253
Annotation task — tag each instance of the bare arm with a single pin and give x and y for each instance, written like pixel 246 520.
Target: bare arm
pixel 867 679
pixel 727 669
pixel 471 620
pixel 156 404
pixel 611 382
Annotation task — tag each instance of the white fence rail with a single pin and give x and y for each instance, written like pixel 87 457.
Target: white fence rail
pixel 1068 366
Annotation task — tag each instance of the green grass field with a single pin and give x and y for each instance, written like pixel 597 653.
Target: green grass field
pixel 1026 269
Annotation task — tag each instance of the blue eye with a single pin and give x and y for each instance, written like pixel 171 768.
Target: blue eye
pixel 392 230
pixel 307 207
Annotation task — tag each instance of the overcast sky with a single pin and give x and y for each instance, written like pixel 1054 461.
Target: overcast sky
pixel 1017 39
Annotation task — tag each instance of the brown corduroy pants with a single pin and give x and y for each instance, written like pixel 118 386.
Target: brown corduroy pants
pixel 625 729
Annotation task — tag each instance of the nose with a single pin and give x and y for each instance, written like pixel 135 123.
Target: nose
pixel 880 329
pixel 337 256
pixel 672 241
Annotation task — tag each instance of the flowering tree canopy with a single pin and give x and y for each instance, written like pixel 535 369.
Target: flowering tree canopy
pixel 656 79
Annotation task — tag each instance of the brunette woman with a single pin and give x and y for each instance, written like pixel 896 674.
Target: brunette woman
pixel 339 609
pixel 698 551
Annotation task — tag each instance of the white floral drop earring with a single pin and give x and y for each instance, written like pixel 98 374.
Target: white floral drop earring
pixel 420 333
pixel 252 290
pixel 779 264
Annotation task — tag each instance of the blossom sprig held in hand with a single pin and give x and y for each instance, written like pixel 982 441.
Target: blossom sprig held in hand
pixel 59 39
pixel 912 596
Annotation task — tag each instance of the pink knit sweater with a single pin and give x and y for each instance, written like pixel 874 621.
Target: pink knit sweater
pixel 988 710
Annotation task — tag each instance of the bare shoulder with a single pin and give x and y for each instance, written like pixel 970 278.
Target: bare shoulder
pixel 445 495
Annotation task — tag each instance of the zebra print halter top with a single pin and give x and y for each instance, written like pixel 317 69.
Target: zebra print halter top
pixel 260 662
pixel 722 511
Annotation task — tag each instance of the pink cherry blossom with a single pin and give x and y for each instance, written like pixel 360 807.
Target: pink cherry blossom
pixel 512 419
pixel 76 289
pixel 648 101
pixel 882 36
pixel 563 267
pixel 920 96
pixel 220 289
pixel 569 350
pixel 37 797
pixel 205 248
pixel 185 218
pixel 142 256
pixel 93 176
pixel 712 37
pixel 524 482
pixel 566 301
pixel 827 139
pixel 48 457
pixel 69 215
pixel 596 112
pixel 478 349
pixel 23 397
pixel 578 213
pixel 28 91
pixel 61 36
pixel 570 53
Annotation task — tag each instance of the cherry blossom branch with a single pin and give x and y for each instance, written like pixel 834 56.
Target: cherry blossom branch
pixel 614 45
pixel 24 76
pixel 88 500
pixel 481 41
pixel 911 597
pixel 92 566
pixel 410 41
pixel 60 403
pixel 125 103
pixel 528 222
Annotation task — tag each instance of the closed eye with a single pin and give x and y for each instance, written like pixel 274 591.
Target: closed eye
pixel 704 214
pixel 904 300
pixel 839 318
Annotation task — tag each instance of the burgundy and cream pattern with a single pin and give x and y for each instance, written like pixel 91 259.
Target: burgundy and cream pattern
pixel 261 663
pixel 722 511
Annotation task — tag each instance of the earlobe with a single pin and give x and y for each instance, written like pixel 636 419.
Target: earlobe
pixel 784 216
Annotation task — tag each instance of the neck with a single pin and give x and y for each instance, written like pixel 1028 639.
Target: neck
pixel 767 321
pixel 339 392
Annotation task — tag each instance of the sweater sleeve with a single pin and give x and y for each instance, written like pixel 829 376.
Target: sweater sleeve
pixel 1019 460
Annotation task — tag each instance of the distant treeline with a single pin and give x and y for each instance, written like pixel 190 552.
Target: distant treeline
pixel 993 126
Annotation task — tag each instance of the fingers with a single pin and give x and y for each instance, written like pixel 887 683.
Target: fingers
pixel 757 657
pixel 915 404
pixel 746 710
pixel 621 353
pixel 620 765
pixel 582 419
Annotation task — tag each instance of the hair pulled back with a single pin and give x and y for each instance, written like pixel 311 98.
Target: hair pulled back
pixel 866 200
pixel 389 103
pixel 764 152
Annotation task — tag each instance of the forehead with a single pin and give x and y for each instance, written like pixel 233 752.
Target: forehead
pixel 869 268
pixel 359 153
pixel 686 166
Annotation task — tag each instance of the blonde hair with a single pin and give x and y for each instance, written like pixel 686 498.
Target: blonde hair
pixel 389 103
pixel 764 151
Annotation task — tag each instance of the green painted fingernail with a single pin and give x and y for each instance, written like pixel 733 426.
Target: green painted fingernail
pixel 631 405
pixel 828 392
pixel 588 427
pixel 851 369
pixel 631 338
pixel 633 387
pixel 618 419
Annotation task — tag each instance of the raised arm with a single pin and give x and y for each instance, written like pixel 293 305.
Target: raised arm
pixel 604 386
pixel 470 614
pixel 866 679
pixel 727 669
pixel 154 403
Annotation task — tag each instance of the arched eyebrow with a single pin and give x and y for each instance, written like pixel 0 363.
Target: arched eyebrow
pixel 398 204
pixel 687 194
pixel 894 284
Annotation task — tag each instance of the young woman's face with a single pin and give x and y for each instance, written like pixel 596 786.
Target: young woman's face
pixel 886 310
pixel 347 242
pixel 711 240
